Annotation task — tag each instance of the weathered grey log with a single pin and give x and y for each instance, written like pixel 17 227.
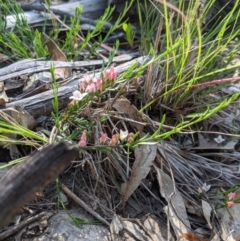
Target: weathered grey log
pixel 23 181
pixel 91 10
pixel 29 66
pixel 41 104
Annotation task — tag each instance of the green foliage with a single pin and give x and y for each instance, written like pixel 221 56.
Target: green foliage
pixel 9 129
pixel 23 42
pixel 130 33
pixel 55 103
pixel 72 35
pixel 191 52
pixel 17 42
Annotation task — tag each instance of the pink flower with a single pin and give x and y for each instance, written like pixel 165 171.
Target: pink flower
pixel 110 74
pixel 103 138
pixel 114 140
pixel 231 196
pixel 91 88
pixel 230 204
pixel 113 73
pixel 88 79
pixel 107 74
pixel 83 140
pixel 98 83
pixel 82 86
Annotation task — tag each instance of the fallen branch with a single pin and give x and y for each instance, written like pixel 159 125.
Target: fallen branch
pixel 22 182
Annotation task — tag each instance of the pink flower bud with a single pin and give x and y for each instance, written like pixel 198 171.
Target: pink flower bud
pixel 114 140
pixel 91 88
pixel 231 196
pixel 88 79
pixel 113 73
pixel 103 138
pixel 110 74
pixel 82 86
pixel 230 204
pixel 98 83
pixel 107 74
pixel 83 140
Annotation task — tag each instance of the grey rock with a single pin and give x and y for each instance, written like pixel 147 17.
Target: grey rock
pixel 62 228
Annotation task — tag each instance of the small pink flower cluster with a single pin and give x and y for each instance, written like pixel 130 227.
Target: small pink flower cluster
pixel 110 74
pixel 231 197
pixel 91 85
pixel 113 141
pixel 124 136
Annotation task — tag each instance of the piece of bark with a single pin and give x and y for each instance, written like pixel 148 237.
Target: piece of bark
pixel 21 183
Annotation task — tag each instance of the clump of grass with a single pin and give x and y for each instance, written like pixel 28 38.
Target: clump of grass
pixel 191 70
pixel 24 42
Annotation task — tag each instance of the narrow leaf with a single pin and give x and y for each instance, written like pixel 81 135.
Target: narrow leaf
pixel 144 157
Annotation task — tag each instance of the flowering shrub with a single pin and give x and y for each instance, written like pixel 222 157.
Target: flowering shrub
pixel 95 85
pixel 92 85
pixel 123 137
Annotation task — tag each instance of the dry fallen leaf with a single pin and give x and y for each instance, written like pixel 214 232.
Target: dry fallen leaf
pixel 144 157
pixel 149 229
pixel 57 55
pixel 158 228
pixel 175 209
pixel 216 238
pixel 124 105
pixel 207 211
pixel 121 229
